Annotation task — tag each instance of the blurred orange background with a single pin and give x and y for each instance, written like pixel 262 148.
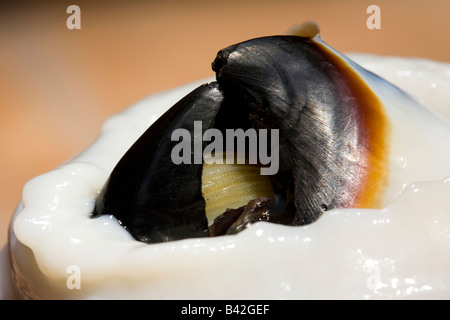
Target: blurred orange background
pixel 57 85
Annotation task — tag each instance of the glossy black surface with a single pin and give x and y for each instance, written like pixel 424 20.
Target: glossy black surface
pixel 287 83
pixel 291 84
pixel 153 198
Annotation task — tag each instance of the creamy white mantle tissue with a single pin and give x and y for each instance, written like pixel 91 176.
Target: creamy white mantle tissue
pixel 401 251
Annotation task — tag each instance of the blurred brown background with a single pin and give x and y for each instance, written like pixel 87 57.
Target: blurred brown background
pixel 57 85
